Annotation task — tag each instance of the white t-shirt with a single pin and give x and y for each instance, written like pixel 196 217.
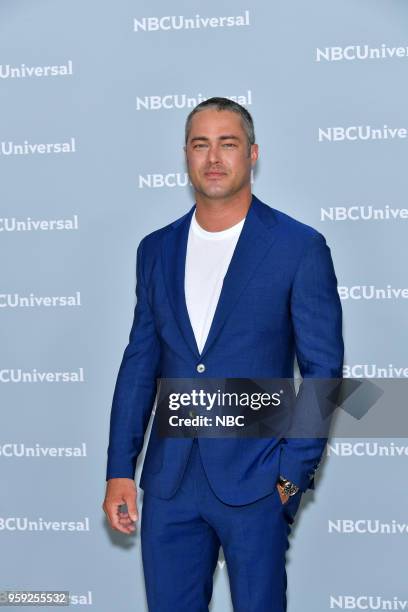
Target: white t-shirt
pixel 207 260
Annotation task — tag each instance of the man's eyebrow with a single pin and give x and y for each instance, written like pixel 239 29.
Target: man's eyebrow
pixel 224 137
pixel 229 137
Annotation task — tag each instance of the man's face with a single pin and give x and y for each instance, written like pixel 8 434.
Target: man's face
pixel 219 159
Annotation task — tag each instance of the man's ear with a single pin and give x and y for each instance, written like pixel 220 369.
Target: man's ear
pixel 254 154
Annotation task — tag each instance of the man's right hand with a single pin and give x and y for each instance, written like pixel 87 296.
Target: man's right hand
pixel 121 491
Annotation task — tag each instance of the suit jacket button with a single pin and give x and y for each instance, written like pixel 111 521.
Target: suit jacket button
pixel 200 367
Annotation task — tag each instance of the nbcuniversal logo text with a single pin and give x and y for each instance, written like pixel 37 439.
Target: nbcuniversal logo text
pixel 82 599
pixel 367 526
pixel 366 602
pixel 23 523
pixel 359 52
pixel 26 72
pixel 12 224
pixel 197 22
pixel 15 300
pixel 19 449
pixel 362 213
pixel 365 449
pixel 156 181
pixel 34 376
pixel 35 148
pixel 354 133
pixel 371 292
pixel 182 100
pixel 372 370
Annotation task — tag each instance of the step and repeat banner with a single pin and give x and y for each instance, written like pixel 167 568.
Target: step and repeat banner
pixel 94 96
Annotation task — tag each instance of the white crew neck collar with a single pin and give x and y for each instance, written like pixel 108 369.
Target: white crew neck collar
pixel 227 233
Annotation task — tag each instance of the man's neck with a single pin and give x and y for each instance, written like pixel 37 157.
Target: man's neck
pixel 216 215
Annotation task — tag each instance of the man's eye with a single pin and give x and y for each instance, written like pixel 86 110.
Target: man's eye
pixel 200 146
pixel 229 145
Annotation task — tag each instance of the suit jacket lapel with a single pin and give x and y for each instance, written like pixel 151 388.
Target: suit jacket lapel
pixel 257 236
pixel 174 249
pixel 254 241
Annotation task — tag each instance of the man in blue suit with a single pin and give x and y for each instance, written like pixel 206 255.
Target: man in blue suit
pixel 233 289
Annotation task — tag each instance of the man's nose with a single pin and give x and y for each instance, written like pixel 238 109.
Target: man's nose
pixel 213 154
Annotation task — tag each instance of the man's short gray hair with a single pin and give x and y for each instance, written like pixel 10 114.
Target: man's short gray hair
pixel 226 104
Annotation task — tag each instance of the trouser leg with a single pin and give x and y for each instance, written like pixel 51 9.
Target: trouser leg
pixel 179 549
pixel 254 538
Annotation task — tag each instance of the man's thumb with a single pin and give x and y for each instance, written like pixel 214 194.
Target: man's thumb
pixel 132 510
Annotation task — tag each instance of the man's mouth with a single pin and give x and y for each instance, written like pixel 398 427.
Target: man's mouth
pixel 214 174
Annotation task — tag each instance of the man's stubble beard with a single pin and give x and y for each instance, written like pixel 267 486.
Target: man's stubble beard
pixel 220 193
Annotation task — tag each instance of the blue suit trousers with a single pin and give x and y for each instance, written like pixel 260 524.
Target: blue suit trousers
pixel 181 538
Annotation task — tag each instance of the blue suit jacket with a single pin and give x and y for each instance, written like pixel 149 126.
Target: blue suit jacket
pixel 279 298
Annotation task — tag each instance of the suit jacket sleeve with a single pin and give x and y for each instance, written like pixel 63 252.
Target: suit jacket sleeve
pixel 135 388
pixel 317 323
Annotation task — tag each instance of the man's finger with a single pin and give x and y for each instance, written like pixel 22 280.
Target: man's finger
pixel 111 511
pixel 126 522
pixel 132 508
pixel 117 524
pixel 124 517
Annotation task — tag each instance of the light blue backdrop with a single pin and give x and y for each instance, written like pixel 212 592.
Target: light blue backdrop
pixel 326 84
